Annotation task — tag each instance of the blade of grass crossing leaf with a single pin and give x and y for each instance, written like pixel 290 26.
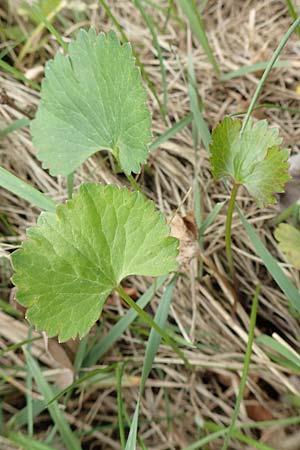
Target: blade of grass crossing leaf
pixel 14 126
pixel 167 135
pixel 19 75
pixel 271 264
pixel 151 350
pixel 293 13
pixel 269 67
pixel 58 418
pixel 118 329
pixel 189 8
pixel 146 17
pixel 251 68
pixel 245 369
pixel 138 61
pixel 119 375
pixel 25 191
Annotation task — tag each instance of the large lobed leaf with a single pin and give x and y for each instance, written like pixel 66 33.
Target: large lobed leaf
pixel 254 159
pixel 92 100
pixel 73 259
pixel 289 243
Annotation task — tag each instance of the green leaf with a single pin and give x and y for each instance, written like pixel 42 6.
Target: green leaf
pixel 73 259
pixel 92 100
pixel 254 158
pixel 289 243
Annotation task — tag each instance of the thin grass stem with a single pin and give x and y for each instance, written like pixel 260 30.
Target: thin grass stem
pixel 245 368
pixel 153 324
pixel 267 71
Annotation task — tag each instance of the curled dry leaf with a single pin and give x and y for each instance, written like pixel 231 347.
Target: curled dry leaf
pixel 188 246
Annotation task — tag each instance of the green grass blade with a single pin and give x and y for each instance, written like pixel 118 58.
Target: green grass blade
pixel 25 191
pixel 211 217
pixel 241 437
pixel 148 319
pixel 118 329
pixel 189 8
pixel 279 348
pixel 272 265
pixel 58 418
pixel 167 135
pixel 206 440
pixel 251 68
pixel 246 425
pixel 29 389
pixel 19 75
pixel 147 19
pixel 119 375
pixel 14 347
pixel 38 30
pixel 19 420
pixel 245 369
pixel 14 126
pixel 88 376
pixel 8 309
pixel 195 106
pixel 138 61
pixel 293 13
pixel 50 27
pixel 27 443
pixel 151 350
pixel 267 71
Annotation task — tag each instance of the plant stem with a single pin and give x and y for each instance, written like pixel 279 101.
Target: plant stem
pixel 245 368
pixel 70 185
pixel 153 324
pixel 228 229
pixel 134 184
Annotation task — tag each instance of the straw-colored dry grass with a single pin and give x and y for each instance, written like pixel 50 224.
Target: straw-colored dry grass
pixel 240 33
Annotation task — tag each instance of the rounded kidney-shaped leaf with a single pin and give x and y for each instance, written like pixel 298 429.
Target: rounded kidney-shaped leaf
pixel 254 159
pixel 73 259
pixel 92 100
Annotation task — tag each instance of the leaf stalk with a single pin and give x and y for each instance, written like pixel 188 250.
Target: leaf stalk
pixel 228 229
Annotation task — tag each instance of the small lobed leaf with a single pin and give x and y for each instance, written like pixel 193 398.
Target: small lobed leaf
pixel 73 259
pixel 91 100
pixel 254 159
pixel 289 243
